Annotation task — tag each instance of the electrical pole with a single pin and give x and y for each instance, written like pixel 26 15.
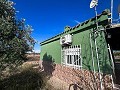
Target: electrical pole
pixel 111 11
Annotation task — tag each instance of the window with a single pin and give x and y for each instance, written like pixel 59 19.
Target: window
pixel 71 56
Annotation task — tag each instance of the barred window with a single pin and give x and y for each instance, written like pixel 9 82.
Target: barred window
pixel 71 56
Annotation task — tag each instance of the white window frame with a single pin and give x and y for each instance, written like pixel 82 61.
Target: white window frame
pixel 71 56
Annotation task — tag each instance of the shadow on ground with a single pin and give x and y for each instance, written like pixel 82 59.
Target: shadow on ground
pixel 26 80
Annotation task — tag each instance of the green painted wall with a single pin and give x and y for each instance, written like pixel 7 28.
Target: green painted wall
pixel 83 38
pixel 51 48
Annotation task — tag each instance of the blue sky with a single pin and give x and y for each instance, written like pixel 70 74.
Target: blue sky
pixel 49 17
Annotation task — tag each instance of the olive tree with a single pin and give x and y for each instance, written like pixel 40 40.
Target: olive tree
pixel 15 36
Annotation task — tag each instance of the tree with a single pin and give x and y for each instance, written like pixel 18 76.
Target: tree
pixel 15 39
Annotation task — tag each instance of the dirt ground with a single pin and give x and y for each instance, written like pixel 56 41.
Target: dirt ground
pixel 52 83
pixel 57 84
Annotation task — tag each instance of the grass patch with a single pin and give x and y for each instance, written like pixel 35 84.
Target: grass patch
pixel 25 79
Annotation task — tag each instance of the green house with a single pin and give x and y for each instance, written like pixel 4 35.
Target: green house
pixel 85 46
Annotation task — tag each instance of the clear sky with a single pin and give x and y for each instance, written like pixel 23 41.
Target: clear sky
pixel 49 17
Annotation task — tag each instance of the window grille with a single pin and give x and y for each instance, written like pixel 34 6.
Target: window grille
pixel 71 56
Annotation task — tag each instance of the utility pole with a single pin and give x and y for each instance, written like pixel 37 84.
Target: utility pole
pixel 111 11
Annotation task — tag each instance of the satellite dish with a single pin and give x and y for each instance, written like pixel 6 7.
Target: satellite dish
pixel 93 3
pixel 119 9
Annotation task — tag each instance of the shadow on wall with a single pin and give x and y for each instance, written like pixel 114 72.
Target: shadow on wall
pixel 48 64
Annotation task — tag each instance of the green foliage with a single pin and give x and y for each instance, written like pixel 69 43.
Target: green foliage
pixel 15 39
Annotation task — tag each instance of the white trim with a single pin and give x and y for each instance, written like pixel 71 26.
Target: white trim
pixel 71 56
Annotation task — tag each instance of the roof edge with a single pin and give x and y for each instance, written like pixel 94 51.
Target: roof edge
pixel 105 12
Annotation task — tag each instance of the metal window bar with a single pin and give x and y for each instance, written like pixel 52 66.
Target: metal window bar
pixel 78 59
pixel 71 56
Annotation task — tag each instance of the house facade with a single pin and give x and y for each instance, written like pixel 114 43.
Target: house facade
pixel 84 48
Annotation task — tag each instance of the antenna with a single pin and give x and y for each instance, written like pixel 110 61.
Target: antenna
pixel 93 4
pixel 77 21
